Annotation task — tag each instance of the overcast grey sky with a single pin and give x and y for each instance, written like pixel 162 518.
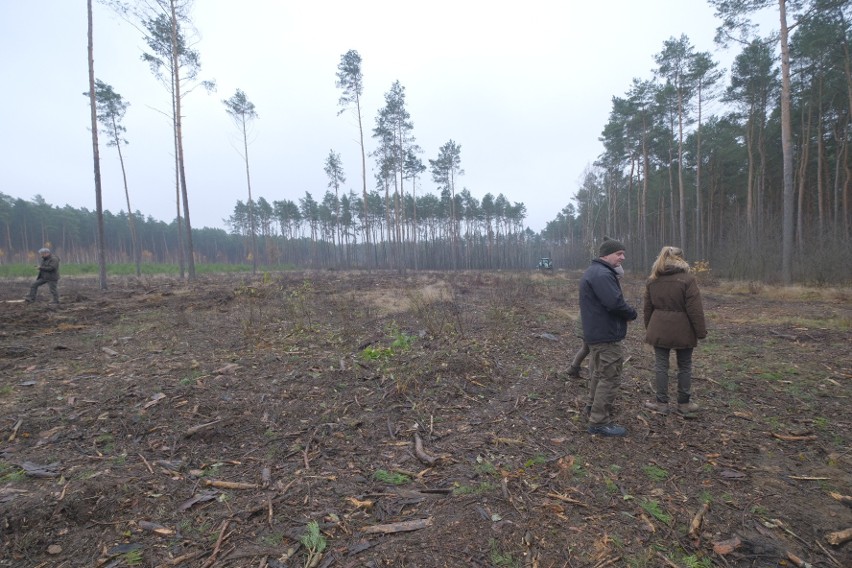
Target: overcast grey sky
pixel 524 88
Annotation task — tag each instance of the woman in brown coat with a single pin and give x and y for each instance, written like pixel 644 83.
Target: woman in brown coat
pixel 674 319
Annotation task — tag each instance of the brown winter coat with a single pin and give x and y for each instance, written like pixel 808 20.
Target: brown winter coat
pixel 673 312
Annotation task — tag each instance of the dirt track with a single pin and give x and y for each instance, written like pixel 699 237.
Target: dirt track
pixel 160 424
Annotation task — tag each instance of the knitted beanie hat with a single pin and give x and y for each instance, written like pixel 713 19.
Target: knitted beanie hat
pixel 609 246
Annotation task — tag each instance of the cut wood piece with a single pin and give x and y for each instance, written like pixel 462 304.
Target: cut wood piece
pixel 695 525
pixel 839 537
pixel 845 499
pixel 727 546
pixel 402 526
pixel 156 528
pixel 420 453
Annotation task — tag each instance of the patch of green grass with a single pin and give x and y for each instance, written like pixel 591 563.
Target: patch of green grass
pixel 394 478
pixel 611 486
pixel 534 461
pixel 483 487
pixel 820 423
pixel 133 557
pixel 5 390
pixel 770 376
pixel 105 442
pixel 693 561
pixel 371 353
pixel 655 472
pixel 654 509
pixel 9 473
pixel 212 470
pixel 502 558
pixel 274 539
pixel 401 340
pixel 759 511
pixel 484 467
pixel 129 269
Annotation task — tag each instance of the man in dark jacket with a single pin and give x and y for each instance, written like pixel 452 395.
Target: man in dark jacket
pixel 48 273
pixel 605 315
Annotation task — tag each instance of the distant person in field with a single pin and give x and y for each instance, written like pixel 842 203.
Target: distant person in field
pixel 48 273
pixel 583 351
pixel 674 319
pixel 605 314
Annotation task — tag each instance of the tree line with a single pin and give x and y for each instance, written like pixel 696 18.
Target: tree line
pixel 760 189
pixel 751 174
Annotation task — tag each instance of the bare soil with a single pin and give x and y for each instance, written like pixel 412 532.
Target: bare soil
pixel 420 420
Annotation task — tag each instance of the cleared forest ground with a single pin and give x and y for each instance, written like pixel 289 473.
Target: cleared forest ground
pixel 421 420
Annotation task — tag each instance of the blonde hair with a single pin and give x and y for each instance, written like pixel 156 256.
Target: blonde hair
pixel 664 259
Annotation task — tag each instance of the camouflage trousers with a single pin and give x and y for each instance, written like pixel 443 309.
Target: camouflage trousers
pixel 54 289
pixel 605 365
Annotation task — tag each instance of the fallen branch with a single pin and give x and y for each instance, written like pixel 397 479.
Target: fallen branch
pixel 566 499
pixel 788 438
pixel 839 537
pixel 219 541
pixel 199 428
pixel 420 453
pixel 695 525
pixel 403 526
pixel 230 484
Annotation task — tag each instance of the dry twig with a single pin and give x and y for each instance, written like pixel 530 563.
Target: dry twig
pixel 230 484
pixel 788 438
pixel 218 545
pixel 15 429
pixel 402 526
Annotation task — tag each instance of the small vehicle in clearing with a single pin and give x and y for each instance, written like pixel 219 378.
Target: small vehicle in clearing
pixel 545 264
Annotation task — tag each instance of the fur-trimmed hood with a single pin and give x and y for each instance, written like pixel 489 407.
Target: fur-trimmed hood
pixel 674 265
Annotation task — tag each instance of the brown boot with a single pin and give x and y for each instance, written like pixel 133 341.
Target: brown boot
pixel 574 372
pixel 658 407
pixel 687 409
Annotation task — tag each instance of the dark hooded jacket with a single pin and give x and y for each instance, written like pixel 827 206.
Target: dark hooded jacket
pixel 48 268
pixel 602 307
pixel 673 311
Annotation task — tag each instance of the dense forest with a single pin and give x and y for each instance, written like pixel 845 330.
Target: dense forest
pixel 748 169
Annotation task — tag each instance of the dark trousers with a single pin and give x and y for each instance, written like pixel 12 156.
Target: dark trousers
pixel 684 374
pixel 580 356
pixel 54 290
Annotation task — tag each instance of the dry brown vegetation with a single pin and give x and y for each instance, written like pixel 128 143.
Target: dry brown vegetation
pixel 420 420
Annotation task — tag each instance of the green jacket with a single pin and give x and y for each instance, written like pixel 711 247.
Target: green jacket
pixel 48 269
